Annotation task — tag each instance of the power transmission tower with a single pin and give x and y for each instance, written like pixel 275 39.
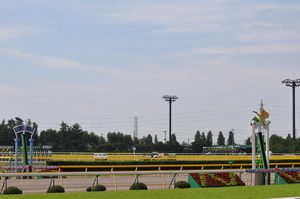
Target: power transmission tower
pixel 135 127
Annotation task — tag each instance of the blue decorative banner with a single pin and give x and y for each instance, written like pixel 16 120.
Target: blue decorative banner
pixel 271 170
pixel 23 128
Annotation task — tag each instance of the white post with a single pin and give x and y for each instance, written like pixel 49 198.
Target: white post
pixel 267 144
pixel 253 154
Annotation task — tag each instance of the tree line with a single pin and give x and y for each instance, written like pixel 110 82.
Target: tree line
pixel 74 138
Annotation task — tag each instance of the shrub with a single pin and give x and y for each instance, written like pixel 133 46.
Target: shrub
pixel 56 189
pixel 138 186
pixel 182 184
pixel 12 190
pixel 88 189
pixel 99 188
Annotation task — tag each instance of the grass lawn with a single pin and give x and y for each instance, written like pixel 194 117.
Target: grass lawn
pixel 243 192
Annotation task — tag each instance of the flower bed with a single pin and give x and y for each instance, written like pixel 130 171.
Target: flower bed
pixel 290 176
pixel 217 179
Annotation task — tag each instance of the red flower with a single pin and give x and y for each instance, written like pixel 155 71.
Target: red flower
pixel 217 179
pixel 290 176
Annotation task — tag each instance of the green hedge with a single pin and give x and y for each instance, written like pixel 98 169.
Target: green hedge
pixel 182 185
pixel 138 186
pixel 12 190
pixel 99 187
pixel 56 189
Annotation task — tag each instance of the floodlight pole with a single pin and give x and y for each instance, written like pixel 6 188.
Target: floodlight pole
pixel 293 84
pixel 170 99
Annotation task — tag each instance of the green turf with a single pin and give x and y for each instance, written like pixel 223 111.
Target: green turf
pixel 243 192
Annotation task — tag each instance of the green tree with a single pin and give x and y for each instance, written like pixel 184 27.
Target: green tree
pixel 155 139
pixel 136 141
pixel 221 139
pixel 209 139
pixel 77 139
pixel 120 137
pixel 102 140
pixel 173 138
pixel 230 140
pixel 128 141
pixel 203 139
pixel 199 142
pixel 48 137
pixel 6 134
pixel 276 144
pixel 248 141
pixel 36 133
pixel 197 136
pixel 93 140
pixel 64 136
pixel 111 137
pixel 148 139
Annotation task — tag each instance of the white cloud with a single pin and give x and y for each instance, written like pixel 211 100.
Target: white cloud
pixel 51 62
pixel 15 32
pixel 174 16
pixel 254 49
pixel 261 7
pixel 261 24
pixel 267 36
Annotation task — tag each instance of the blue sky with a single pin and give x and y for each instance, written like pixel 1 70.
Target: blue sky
pixel 102 63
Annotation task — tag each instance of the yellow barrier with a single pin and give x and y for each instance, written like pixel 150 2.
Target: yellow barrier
pixel 182 166
pixel 143 157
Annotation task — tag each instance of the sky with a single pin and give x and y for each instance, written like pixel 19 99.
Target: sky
pixel 102 63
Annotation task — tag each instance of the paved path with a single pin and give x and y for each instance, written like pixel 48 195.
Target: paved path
pixel 79 184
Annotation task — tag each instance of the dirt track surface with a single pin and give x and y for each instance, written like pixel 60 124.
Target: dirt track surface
pixel 79 184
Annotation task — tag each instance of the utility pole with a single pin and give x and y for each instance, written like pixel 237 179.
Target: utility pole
pixel 170 99
pixel 293 83
pixel 165 136
pixel 135 127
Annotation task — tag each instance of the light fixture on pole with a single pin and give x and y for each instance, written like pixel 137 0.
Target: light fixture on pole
pixel 170 99
pixel 293 84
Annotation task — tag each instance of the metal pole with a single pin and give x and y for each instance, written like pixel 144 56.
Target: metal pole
pixel 31 151
pixel 253 154
pixel 293 84
pixel 267 145
pixel 16 153
pixel 170 123
pixel 170 99
pixel 267 175
pixel 24 149
pixel 294 112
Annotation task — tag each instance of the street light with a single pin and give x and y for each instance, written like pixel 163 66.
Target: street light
pixel 170 99
pixel 293 84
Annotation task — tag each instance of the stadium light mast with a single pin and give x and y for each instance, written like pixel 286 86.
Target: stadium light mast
pixel 293 84
pixel 170 99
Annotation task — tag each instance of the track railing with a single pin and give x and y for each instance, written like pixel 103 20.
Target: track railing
pixel 159 167
pixel 6 176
